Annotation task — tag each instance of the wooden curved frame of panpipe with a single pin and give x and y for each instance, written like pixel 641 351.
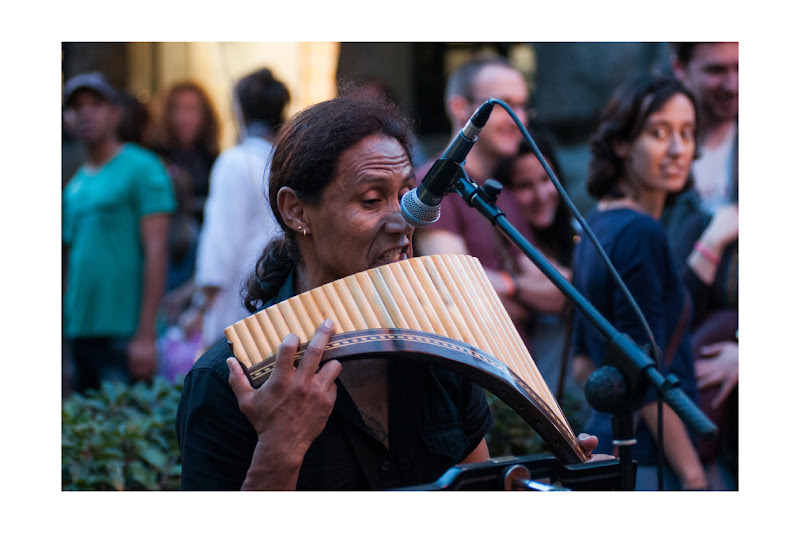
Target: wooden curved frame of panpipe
pixel 440 308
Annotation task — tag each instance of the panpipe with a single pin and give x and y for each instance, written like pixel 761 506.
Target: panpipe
pixel 439 308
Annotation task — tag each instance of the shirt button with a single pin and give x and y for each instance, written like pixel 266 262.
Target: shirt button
pixel 386 466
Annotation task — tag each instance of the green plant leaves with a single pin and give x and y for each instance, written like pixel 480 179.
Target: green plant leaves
pixel 121 438
pixel 511 435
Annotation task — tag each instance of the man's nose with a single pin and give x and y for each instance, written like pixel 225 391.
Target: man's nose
pixel 396 223
pixel 732 81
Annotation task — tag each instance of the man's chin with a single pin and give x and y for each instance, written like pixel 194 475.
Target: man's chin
pixel 727 111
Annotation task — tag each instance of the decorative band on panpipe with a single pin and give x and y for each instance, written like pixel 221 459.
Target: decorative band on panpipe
pixel 439 308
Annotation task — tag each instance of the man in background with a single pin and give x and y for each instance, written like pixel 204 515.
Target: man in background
pixel 115 219
pixel 711 72
pixel 238 221
pixel 462 229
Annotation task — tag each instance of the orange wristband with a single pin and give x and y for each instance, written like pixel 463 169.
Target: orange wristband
pixel 710 256
pixel 510 282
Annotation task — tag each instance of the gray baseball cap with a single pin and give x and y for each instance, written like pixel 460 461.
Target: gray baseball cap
pixel 93 81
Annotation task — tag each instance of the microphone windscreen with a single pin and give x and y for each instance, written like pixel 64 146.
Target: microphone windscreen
pixel 416 213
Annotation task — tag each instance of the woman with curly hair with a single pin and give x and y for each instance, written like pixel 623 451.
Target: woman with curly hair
pixel 642 154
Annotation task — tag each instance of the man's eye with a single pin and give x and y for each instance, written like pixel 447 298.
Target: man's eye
pixel 715 70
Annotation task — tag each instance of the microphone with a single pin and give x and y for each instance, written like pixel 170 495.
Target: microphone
pixel 421 206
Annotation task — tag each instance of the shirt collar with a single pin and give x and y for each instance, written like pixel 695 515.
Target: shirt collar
pixel 284 293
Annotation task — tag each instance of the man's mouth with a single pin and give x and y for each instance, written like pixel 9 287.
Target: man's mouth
pixel 394 255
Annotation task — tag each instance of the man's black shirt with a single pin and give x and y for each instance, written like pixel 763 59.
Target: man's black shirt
pixel 436 418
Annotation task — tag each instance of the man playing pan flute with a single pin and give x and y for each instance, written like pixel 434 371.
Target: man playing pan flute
pixel 338 173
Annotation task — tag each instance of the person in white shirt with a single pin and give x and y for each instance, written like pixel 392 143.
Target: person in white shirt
pixel 711 72
pixel 238 222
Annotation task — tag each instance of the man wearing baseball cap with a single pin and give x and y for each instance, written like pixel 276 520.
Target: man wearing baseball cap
pixel 116 212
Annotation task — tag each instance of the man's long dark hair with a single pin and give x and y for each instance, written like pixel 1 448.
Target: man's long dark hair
pixel 307 151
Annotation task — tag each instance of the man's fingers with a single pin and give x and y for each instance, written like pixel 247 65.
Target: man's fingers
pixel 315 348
pixel 236 378
pixel 587 442
pixel 287 350
pixel 329 371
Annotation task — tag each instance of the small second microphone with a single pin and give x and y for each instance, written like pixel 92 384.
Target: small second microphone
pixel 421 206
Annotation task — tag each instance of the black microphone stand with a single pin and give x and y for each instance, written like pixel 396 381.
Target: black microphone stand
pixel 619 385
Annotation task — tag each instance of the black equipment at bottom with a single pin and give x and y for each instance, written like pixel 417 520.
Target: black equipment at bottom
pixel 541 472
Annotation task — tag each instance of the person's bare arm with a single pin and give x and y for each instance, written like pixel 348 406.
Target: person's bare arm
pixel 582 368
pixel 536 290
pixel 721 231
pixel 678 448
pixel 203 298
pixel 479 454
pixel 531 288
pixel 435 241
pixel 142 357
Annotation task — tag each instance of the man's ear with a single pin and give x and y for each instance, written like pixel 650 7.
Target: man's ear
pixel 678 69
pixel 458 109
pixel 292 209
pixel 117 114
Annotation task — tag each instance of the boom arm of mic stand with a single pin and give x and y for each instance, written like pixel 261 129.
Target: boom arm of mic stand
pixel 636 362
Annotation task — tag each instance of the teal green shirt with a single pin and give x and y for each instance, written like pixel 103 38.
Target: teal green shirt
pixel 102 209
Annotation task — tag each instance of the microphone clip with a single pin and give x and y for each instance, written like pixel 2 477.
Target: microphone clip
pixel 468 190
pixel 491 190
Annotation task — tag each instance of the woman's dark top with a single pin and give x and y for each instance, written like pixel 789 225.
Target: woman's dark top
pixel 436 418
pixel 637 247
